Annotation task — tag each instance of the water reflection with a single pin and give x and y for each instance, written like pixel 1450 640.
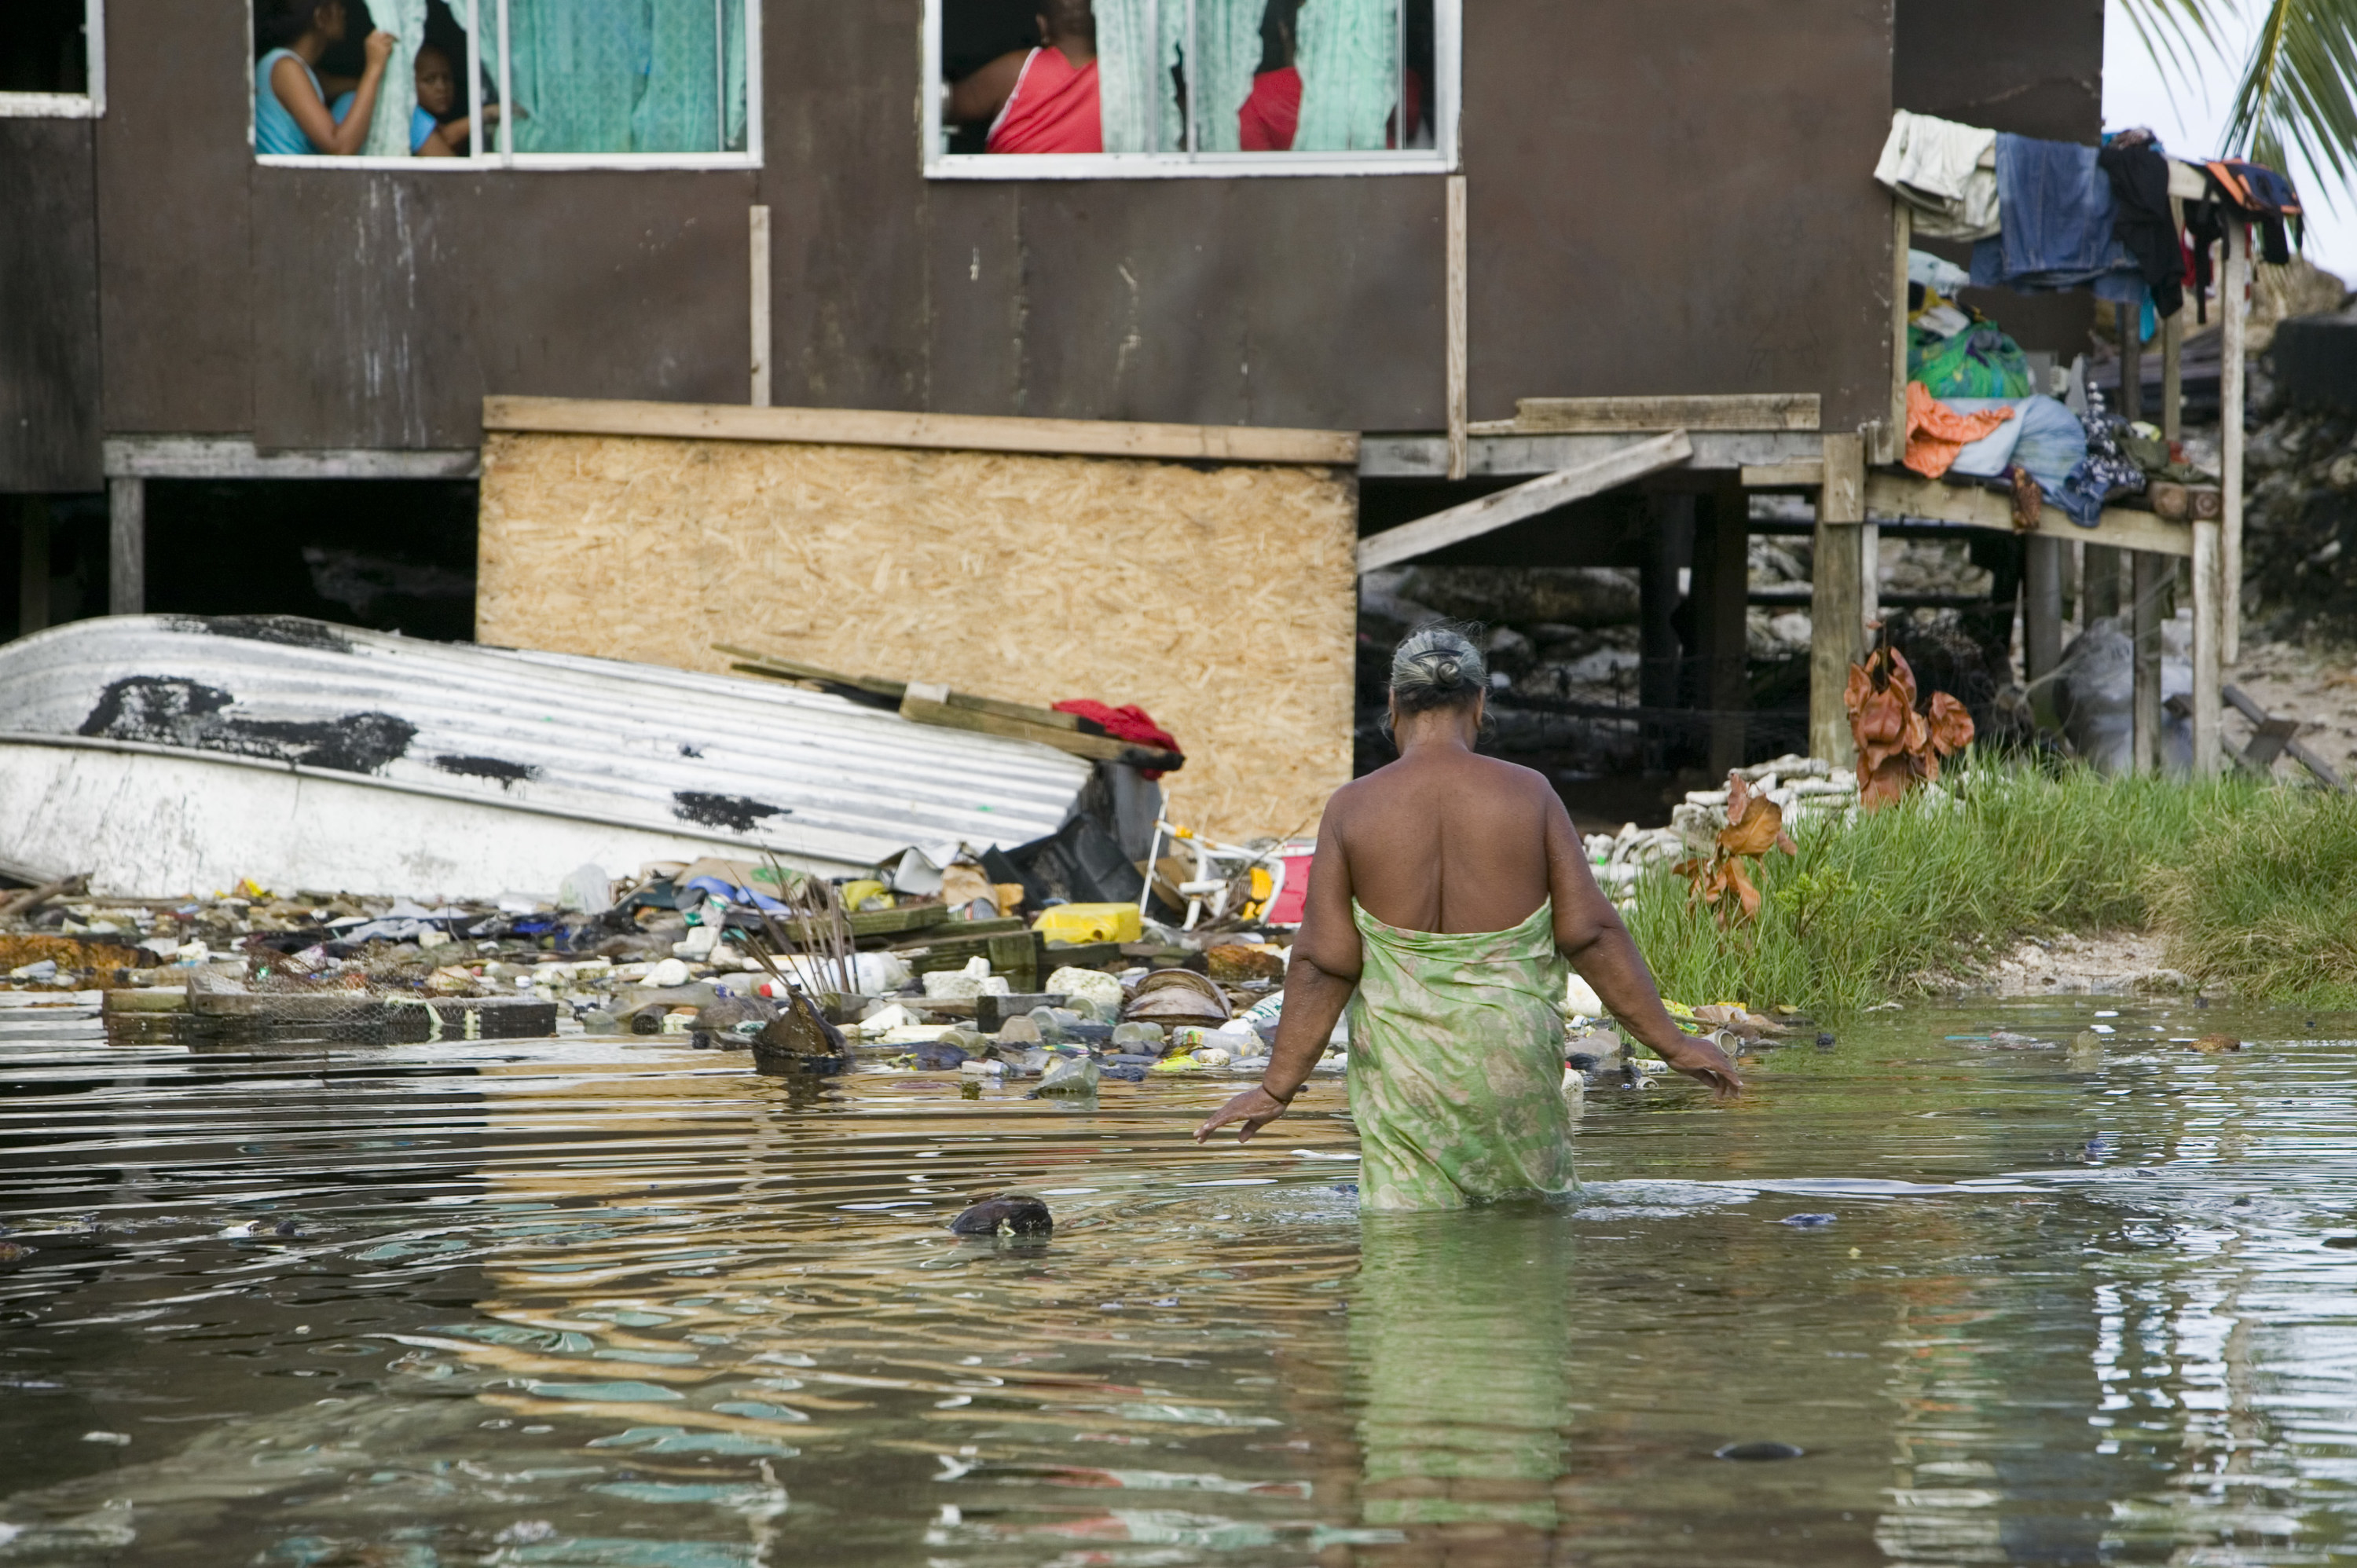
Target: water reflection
pixel 606 1304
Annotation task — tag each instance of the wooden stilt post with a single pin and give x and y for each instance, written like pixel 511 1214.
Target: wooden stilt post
pixel 32 564
pixel 2209 627
pixel 2131 328
pixel 126 566
pixel 2235 308
pixel 1722 589
pixel 1669 545
pixel 2099 584
pixel 2152 574
pixel 2041 605
pixel 1836 602
pixel 2172 376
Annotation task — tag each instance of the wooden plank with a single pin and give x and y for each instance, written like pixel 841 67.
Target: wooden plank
pixel 1837 638
pixel 1911 495
pixel 1098 747
pixel 1807 476
pixel 2235 306
pixel 2243 703
pixel 2152 574
pixel 758 253
pixel 1459 397
pixel 1606 415
pixel 948 432
pixel 1500 452
pixel 2099 584
pixel 1491 512
pixel 1021 713
pixel 778 667
pixel 126 546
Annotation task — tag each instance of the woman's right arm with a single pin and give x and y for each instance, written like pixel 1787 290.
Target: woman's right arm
pixel 1327 958
pixel 293 85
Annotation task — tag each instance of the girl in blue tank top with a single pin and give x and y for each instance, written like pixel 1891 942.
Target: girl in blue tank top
pixel 290 108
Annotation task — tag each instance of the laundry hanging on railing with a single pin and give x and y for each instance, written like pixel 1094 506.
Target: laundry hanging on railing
pixel 1935 166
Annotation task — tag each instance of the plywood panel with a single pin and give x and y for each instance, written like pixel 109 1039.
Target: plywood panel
pixel 174 244
pixel 49 307
pixel 1221 600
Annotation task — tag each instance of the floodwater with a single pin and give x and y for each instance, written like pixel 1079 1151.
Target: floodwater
pixel 618 1306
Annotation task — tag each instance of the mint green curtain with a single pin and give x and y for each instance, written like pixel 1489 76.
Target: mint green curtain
pixel 624 76
pixel 1227 40
pixel 396 96
pixel 1131 39
pixel 1349 57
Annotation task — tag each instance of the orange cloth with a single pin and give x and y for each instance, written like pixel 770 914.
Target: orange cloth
pixel 1054 109
pixel 1936 432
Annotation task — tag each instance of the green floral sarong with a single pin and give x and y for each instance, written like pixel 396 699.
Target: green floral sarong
pixel 1457 1064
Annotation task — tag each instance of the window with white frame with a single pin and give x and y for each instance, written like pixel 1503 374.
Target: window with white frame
pixel 1075 88
pixel 521 83
pixel 52 59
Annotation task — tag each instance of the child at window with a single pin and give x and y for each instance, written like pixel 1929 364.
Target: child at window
pixel 290 108
pixel 435 128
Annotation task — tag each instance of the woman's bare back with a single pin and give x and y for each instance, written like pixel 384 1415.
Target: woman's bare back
pixel 1445 839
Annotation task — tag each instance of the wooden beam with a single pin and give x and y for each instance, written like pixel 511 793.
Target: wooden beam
pixel 2172 374
pixel 126 546
pixel 1459 396
pixel 236 458
pixel 1803 475
pixel 2041 605
pixel 2233 337
pixel 758 236
pixel 1838 634
pixel 1491 512
pixel 1909 495
pixel 944 431
pixel 1609 416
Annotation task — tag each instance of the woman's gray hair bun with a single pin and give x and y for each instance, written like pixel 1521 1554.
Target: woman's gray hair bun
pixel 1438 667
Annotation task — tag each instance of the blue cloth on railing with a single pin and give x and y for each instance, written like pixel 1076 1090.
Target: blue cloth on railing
pixel 2056 207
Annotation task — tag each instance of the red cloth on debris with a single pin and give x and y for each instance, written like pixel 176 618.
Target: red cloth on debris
pixel 1054 109
pixel 1132 724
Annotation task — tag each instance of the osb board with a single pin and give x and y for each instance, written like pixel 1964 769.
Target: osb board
pixel 1223 600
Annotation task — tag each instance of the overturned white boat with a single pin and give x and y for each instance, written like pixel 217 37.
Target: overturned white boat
pixel 168 755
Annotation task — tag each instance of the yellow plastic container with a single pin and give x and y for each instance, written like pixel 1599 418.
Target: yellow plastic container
pixel 1090 923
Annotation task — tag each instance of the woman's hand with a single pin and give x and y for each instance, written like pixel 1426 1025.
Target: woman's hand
pixel 379 49
pixel 1255 1108
pixel 1702 1059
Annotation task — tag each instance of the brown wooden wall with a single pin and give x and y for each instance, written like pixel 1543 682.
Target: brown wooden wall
pixel 1665 197
pixel 49 307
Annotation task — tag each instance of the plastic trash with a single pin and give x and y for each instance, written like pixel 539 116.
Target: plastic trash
pixel 671 972
pixel 587 889
pixel 1580 1001
pixel 1070 1075
pixel 956 985
pixel 1079 923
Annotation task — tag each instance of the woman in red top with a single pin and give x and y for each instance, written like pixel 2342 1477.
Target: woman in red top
pixel 1042 99
pixel 1272 113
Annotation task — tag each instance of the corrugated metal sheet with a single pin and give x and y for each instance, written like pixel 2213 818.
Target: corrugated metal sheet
pixel 712 760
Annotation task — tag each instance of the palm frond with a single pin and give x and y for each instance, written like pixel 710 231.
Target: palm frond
pixel 2298 91
pixel 2171 31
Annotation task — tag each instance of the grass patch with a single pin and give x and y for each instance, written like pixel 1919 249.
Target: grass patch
pixel 2254 887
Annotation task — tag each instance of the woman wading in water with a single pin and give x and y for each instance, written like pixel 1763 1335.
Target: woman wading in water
pixel 1447 893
